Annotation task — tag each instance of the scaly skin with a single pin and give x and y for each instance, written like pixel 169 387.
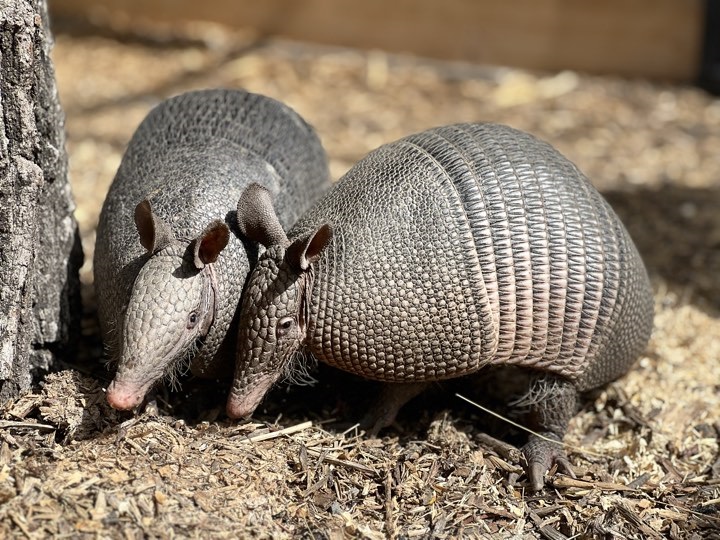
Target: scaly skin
pixel 447 251
pixel 167 285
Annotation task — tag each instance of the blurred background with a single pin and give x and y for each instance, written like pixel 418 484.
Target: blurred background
pixel 647 38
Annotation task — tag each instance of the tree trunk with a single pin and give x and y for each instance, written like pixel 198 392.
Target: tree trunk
pixel 40 251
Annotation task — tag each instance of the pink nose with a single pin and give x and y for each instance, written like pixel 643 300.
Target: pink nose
pixel 123 397
pixel 242 404
pixel 237 409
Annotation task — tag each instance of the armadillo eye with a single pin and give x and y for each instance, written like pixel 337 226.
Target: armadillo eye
pixel 284 325
pixel 192 320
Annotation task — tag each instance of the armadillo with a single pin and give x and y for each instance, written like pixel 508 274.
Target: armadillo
pixel 447 251
pixel 168 292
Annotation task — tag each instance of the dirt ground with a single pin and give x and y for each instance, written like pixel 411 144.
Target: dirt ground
pixel 645 449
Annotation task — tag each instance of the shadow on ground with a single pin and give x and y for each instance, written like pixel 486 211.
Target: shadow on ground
pixel 677 230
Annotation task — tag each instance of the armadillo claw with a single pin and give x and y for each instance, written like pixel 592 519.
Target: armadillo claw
pixel 541 455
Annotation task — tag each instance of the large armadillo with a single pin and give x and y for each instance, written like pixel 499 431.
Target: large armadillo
pixel 460 247
pixel 168 291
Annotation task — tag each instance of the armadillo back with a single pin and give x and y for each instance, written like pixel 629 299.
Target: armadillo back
pixel 235 119
pixel 183 144
pixel 474 244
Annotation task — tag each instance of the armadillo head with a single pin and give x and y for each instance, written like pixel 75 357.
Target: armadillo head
pixel 171 306
pixel 275 308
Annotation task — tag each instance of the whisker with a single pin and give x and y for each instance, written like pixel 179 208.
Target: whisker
pixel 298 369
pixel 181 367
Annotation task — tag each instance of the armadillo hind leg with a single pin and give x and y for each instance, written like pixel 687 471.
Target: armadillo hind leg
pixel 387 405
pixel 552 402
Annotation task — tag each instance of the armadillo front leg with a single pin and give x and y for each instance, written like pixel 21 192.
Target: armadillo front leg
pixel 552 402
pixel 387 405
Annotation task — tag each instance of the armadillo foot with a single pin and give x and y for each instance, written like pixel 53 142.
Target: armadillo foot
pixel 541 455
pixel 552 402
pixel 391 399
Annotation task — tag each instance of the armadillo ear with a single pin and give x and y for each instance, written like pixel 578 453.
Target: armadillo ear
pixel 210 243
pixel 256 217
pixel 155 233
pixel 306 251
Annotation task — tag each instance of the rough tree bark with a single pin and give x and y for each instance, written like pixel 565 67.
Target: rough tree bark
pixel 39 244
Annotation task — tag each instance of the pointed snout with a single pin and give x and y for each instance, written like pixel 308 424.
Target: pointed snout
pixel 236 409
pixel 242 403
pixel 124 396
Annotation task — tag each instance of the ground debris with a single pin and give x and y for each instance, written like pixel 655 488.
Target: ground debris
pixel 156 474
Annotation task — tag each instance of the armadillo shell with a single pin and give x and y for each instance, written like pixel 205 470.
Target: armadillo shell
pixel 470 245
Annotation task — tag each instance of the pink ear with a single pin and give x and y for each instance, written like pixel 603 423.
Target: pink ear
pixel 210 243
pixel 306 251
pixel 154 233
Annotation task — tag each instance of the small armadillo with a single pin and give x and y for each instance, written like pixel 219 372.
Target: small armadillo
pixel 461 247
pixel 168 291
